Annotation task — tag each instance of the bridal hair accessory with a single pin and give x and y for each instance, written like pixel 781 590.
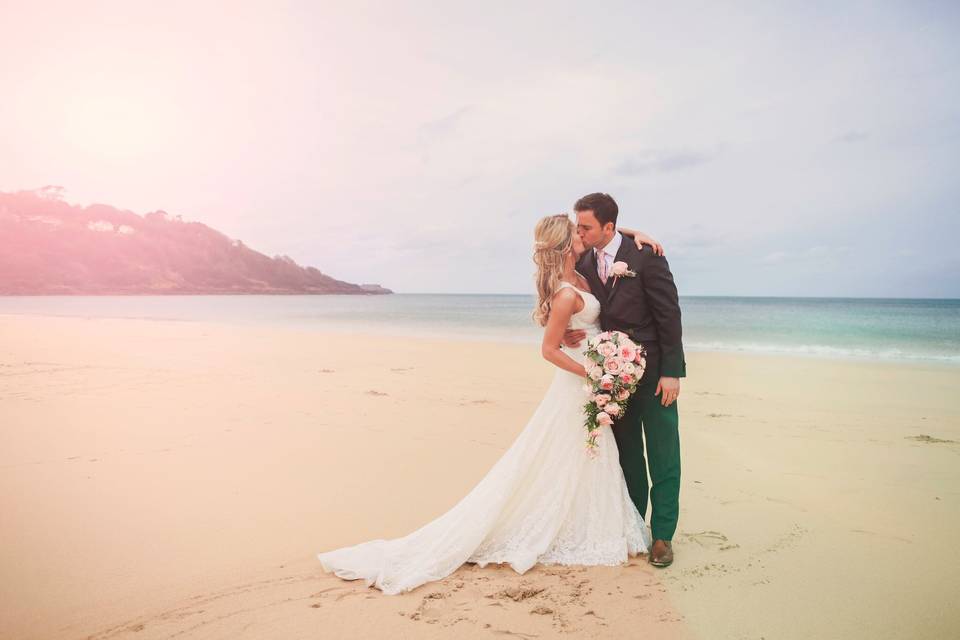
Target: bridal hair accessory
pixel 614 365
pixel 541 245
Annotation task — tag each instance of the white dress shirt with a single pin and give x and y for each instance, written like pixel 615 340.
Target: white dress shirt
pixel 610 250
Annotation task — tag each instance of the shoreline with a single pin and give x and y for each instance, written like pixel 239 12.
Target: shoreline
pixel 503 338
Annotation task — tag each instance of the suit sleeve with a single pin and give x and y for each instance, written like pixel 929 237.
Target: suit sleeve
pixel 665 306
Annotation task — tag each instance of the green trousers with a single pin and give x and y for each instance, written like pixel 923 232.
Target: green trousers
pixel 646 418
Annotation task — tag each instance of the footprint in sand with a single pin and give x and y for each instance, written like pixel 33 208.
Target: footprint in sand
pixel 518 593
pixel 882 535
pixel 711 540
pixel 929 439
pixel 559 597
pixel 373 392
pixel 433 610
pixel 206 610
pixel 787 540
pixel 546 602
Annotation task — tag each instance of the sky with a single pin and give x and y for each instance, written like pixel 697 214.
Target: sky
pixel 775 148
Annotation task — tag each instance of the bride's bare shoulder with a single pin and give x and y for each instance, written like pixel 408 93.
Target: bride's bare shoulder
pixel 567 298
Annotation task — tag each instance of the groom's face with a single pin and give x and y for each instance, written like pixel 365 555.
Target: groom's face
pixel 590 230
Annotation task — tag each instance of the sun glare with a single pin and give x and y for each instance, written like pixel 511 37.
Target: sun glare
pixel 114 126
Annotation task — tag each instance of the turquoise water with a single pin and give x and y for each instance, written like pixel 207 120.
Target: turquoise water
pixel 885 329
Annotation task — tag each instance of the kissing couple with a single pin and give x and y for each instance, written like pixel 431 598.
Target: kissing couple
pixel 545 501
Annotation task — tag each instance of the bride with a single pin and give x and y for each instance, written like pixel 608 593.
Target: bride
pixel 545 500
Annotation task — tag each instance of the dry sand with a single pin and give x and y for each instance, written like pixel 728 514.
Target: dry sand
pixel 175 479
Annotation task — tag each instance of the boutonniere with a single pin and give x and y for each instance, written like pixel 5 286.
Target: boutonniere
pixel 622 270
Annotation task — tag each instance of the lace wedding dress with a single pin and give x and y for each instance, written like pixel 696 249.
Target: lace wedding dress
pixel 544 501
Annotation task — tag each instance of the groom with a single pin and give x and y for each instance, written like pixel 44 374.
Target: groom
pixel 645 307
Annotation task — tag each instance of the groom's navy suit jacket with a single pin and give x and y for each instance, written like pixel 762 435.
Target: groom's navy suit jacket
pixel 645 307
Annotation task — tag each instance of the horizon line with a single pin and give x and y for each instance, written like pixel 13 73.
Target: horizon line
pixel 704 295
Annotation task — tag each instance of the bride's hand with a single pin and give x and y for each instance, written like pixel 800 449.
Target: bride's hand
pixel 641 239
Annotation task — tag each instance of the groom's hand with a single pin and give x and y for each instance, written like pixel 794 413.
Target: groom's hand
pixel 573 337
pixel 668 389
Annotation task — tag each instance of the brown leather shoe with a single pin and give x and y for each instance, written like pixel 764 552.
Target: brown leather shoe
pixel 661 554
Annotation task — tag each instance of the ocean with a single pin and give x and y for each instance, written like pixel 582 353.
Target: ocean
pixel 870 329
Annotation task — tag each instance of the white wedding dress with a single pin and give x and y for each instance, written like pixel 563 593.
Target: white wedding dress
pixel 544 501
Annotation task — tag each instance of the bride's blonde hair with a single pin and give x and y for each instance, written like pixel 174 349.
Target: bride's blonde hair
pixel 553 238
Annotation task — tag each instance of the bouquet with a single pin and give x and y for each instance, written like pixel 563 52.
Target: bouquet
pixel 614 364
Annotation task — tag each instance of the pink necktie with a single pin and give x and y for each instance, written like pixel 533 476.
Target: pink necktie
pixel 602 266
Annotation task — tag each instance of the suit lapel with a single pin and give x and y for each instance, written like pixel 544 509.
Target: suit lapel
pixel 621 256
pixel 589 271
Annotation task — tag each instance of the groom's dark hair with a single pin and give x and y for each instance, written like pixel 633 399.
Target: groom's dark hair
pixel 603 206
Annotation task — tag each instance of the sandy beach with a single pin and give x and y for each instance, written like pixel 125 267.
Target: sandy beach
pixel 165 479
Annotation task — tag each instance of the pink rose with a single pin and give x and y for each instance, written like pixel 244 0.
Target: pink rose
pixel 613 365
pixel 626 341
pixel 627 379
pixel 607 349
pixel 604 419
pixel 606 383
pixel 628 369
pixel 640 357
pixel 595 372
pixel 627 351
pixel 604 336
pixel 601 399
pixel 622 395
pixel 620 268
pixel 613 409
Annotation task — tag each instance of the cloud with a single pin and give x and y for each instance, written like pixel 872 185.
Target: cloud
pixel 434 130
pixel 776 257
pixel 427 169
pixel 815 253
pixel 661 162
pixel 852 136
pixel 696 239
